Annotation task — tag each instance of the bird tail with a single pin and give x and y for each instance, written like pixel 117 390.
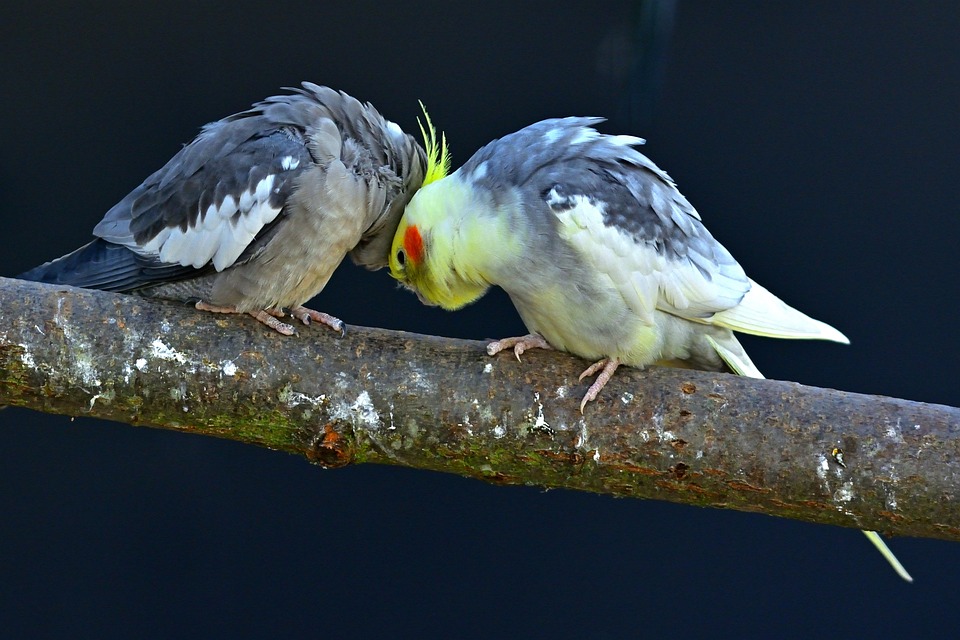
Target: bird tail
pixel 763 314
pixel 96 265
pixel 734 355
pixel 885 551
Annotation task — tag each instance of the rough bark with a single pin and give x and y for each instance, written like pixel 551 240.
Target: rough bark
pixel 707 439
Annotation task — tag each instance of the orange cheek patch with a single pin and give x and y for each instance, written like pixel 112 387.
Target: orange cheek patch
pixel 413 244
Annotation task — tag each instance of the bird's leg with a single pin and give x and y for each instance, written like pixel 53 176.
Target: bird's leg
pixel 606 367
pixel 520 344
pixel 271 317
pixel 306 316
pixel 268 317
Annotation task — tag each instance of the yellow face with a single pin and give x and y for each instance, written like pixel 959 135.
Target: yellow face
pixel 408 260
pixel 407 256
pixel 424 257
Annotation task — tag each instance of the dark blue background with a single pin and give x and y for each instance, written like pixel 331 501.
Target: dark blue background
pixel 819 140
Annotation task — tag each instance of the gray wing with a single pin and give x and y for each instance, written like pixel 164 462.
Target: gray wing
pixel 219 200
pixel 621 213
pixel 206 206
pixel 213 204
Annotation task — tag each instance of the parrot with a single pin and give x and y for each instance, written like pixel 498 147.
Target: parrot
pixel 255 214
pixel 598 250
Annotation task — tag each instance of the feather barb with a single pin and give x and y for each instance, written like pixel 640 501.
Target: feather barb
pixel 438 154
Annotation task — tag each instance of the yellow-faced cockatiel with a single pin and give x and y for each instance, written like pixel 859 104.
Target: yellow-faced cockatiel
pixel 255 214
pixel 600 253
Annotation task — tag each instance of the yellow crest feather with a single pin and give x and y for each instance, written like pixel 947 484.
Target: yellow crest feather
pixel 438 155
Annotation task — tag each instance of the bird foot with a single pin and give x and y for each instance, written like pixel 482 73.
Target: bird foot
pixel 606 367
pixel 306 316
pixel 271 317
pixel 520 344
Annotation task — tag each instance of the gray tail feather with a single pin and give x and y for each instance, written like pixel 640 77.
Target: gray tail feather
pixel 106 266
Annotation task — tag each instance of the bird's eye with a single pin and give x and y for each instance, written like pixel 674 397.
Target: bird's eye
pixel 401 257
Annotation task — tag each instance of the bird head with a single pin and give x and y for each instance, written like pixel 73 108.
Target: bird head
pixel 428 255
pixel 423 255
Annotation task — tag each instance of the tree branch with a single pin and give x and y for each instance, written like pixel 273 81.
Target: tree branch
pixel 433 403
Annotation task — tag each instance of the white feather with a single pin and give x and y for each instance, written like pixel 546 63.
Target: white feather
pixel 764 314
pixel 586 134
pixel 732 352
pixel 626 141
pixel 246 201
pixel 481 172
pixel 264 187
pixel 172 248
pixel 229 246
pixel 153 246
pixel 227 208
pixel 646 279
pixel 218 236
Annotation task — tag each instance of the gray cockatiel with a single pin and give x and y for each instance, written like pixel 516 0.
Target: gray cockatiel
pixel 255 214
pixel 600 253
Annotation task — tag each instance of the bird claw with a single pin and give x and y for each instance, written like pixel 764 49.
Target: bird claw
pixel 306 316
pixel 606 367
pixel 519 344
pixel 592 369
pixel 589 396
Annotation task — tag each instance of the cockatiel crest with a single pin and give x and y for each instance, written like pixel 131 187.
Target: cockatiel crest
pixel 438 154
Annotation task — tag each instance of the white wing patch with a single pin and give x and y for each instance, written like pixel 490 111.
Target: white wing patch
pixel 220 235
pixel 645 278
pixel 631 267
